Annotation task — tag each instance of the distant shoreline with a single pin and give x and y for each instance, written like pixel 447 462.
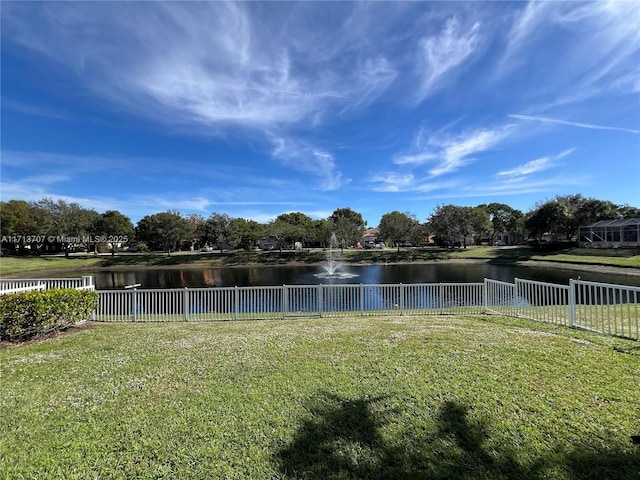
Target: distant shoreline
pixel 631 271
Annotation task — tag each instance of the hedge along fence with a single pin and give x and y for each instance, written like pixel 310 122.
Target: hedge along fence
pixel 27 314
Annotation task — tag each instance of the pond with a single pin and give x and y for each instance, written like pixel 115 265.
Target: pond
pixel 367 274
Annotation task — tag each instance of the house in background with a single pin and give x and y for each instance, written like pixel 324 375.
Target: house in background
pixel 370 237
pixel 622 232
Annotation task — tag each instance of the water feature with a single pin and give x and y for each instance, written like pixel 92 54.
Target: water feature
pixel 333 268
pixel 246 276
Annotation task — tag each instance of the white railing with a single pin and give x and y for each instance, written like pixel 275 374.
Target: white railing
pixel 233 303
pixel 9 285
pixel 605 308
pixel 30 288
pixel 545 302
pixel 600 307
pixel 500 297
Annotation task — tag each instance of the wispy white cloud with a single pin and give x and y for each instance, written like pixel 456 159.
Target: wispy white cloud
pixel 374 76
pixel 33 189
pixel 31 109
pixel 406 183
pixel 210 64
pixel 416 158
pixel 71 163
pixel 451 152
pixel 458 151
pixel 306 158
pixel 484 187
pixel 180 203
pixel 534 166
pixel 597 56
pixel 528 168
pixel 392 182
pixel 525 26
pixel 571 124
pixel 440 55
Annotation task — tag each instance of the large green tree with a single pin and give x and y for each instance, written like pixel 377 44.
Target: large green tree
pixel 562 216
pixel 348 226
pixel 116 227
pixel 218 230
pixel 297 227
pixel 627 211
pixel 163 231
pixel 501 217
pixel 548 218
pixel 19 221
pixel 321 232
pixel 245 233
pixel 398 228
pixel 66 222
pixel 450 224
pixel 480 223
pixel 592 210
pixel 198 229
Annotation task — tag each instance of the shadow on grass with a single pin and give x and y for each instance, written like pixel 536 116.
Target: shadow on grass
pixel 342 439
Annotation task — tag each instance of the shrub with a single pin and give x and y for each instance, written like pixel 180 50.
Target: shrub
pixel 27 314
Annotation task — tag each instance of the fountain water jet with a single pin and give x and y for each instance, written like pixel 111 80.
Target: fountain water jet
pixel 332 267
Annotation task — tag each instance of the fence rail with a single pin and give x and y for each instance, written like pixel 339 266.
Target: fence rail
pixel 233 303
pixel 600 307
pixel 13 285
pixel 611 309
pixel 605 308
pixel 30 288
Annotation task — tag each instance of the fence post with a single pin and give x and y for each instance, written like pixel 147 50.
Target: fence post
pixel 572 303
pixel 361 300
pixel 134 302
pixel 236 303
pixel 87 280
pixel 185 304
pixel 285 300
pixel 402 295
pixel 516 295
pixel 485 295
pixel 320 299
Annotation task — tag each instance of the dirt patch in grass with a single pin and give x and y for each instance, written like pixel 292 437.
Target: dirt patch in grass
pixel 78 327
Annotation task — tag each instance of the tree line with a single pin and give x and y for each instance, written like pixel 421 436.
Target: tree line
pixel 55 226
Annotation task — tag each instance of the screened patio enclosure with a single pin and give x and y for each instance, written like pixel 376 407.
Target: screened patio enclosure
pixel 622 232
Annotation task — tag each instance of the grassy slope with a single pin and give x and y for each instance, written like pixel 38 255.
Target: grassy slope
pixel 611 257
pixel 608 257
pixel 443 397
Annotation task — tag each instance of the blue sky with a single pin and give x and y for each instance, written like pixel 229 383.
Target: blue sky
pixel 256 109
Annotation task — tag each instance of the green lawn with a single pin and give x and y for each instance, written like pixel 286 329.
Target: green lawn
pixel 440 397
pixel 13 265
pixel 592 256
pixel 609 257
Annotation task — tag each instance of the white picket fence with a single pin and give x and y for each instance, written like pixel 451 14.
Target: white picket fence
pixel 28 288
pixel 15 285
pixel 611 309
pixel 605 308
pixel 599 307
pixel 234 303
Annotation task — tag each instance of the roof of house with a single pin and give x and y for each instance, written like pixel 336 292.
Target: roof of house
pixel 371 233
pixel 618 222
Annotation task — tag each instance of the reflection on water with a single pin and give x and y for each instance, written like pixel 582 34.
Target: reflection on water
pixel 366 274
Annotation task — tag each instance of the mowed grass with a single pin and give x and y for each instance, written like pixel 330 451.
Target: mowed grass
pixel 628 258
pixel 350 398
